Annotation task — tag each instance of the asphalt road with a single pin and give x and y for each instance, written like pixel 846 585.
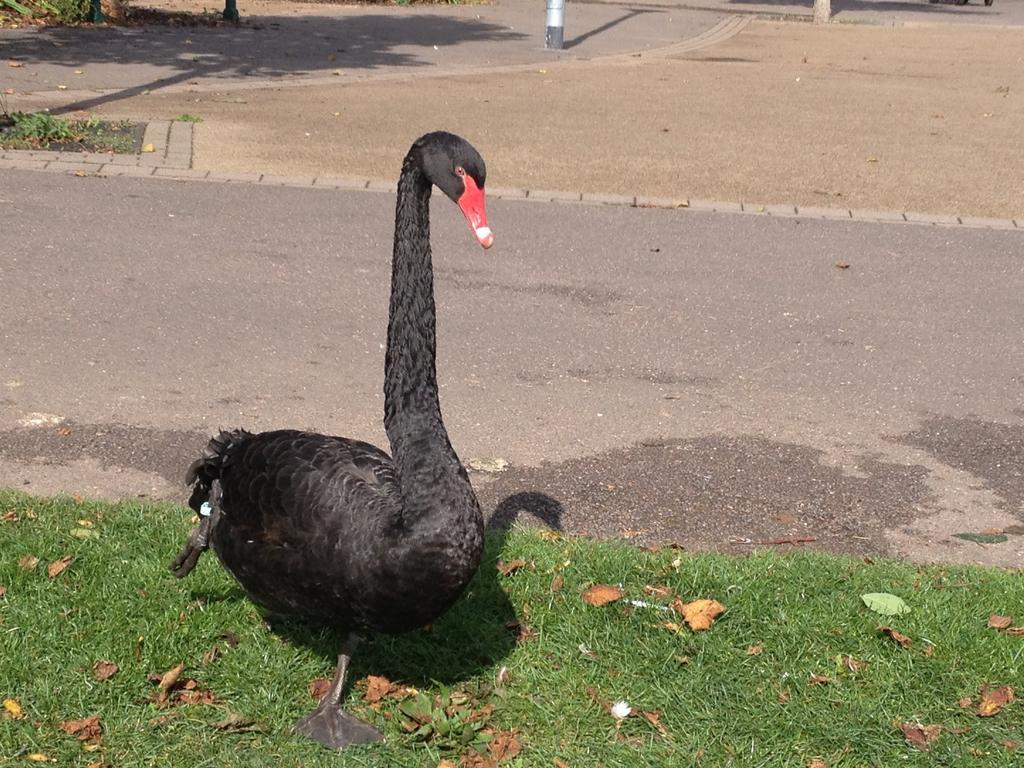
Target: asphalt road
pixel 709 379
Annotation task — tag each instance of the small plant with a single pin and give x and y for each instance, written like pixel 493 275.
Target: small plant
pixel 185 117
pixel 41 127
pixel 447 721
pixel 41 130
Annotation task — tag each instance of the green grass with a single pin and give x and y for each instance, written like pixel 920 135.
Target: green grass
pixel 720 706
pixel 40 130
pixel 185 117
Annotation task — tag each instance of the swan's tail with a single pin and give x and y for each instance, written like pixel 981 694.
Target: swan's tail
pixel 204 476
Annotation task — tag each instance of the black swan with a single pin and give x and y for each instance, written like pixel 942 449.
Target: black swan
pixel 334 531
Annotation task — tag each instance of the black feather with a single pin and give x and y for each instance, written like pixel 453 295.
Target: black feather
pixel 333 530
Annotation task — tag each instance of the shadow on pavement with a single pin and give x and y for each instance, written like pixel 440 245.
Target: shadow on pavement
pixel 260 47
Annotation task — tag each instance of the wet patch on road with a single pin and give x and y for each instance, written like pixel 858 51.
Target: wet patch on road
pixel 990 451
pixel 590 297
pixel 161 452
pixel 719 492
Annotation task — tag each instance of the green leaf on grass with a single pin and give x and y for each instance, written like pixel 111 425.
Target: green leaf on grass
pixel 84 533
pixel 885 603
pixel 982 538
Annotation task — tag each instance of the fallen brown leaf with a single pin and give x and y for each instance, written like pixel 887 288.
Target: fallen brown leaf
pixel 852 664
pixel 211 655
pixel 170 677
pixel 671 626
pixel 446 764
pixel 817 763
pixel 28 562
pixel 782 697
pixel 504 746
pixel 965 702
pixel 193 695
pixel 1010 744
pixel 318 687
pixel 895 636
pixel 57 567
pixel 3 590
pixel 104 670
pixel 86 729
pixel 1015 631
pixel 13 710
pixel 601 594
pixel 654 718
pixel 557 583
pixel 842 265
pixel 507 569
pixel 995 621
pixel 700 614
pixel 920 736
pixel 377 688
pixel 755 650
pixel 9 517
pixel 523 632
pixel 994 699
pixel 819 680
pixel 561 763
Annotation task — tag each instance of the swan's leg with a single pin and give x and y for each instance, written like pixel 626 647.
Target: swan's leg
pixel 329 723
pixel 199 537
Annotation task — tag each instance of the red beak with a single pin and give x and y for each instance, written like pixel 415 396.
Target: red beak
pixel 475 211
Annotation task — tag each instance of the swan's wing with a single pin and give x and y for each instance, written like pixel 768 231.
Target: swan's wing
pixel 299 512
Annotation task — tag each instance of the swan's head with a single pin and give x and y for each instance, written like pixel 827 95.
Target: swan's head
pixel 456 168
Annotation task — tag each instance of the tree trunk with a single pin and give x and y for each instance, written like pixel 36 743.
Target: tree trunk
pixel 822 11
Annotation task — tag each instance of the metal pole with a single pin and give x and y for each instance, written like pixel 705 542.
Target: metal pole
pixel 95 14
pixel 554 33
pixel 230 10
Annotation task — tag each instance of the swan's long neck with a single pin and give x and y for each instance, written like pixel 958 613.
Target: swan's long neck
pixel 427 464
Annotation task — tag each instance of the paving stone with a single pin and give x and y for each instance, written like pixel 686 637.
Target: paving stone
pixel 181 173
pixel 609 199
pixel 339 183
pixel 128 170
pixel 554 196
pixel 156 134
pixel 928 218
pixel 811 212
pixel 236 177
pixel 979 222
pixel 288 181
pixel 506 193
pixel 646 201
pixel 862 214
pixel 25 164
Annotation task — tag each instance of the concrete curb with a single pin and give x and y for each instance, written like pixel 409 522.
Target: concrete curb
pixel 172 159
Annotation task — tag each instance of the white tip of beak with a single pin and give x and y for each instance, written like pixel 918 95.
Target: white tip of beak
pixel 485 236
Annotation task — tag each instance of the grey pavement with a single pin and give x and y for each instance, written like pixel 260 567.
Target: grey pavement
pixel 321 43
pixel 301 44
pixel 1001 12
pixel 715 379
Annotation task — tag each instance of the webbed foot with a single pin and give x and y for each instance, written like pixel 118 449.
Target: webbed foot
pixel 333 727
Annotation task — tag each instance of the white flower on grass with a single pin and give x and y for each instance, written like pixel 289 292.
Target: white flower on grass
pixel 621 710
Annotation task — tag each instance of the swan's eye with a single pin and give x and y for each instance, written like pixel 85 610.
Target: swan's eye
pixel 460 171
